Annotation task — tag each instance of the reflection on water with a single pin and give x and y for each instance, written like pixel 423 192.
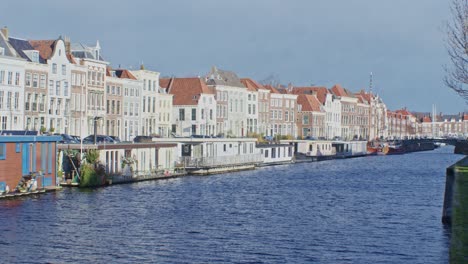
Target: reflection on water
pixel 380 209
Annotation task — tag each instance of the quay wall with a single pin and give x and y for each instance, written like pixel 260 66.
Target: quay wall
pixel 455 210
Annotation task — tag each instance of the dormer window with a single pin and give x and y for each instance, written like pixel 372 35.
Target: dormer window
pixel 96 54
pixel 194 97
pixel 33 55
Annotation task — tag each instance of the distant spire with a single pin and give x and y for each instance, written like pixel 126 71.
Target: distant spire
pixel 370 83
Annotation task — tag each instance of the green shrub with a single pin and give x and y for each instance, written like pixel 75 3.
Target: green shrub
pixel 91 176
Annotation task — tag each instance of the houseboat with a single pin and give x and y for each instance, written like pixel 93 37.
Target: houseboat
pixel 276 154
pixel 27 163
pixel 350 149
pixel 123 162
pixel 312 150
pixel 216 155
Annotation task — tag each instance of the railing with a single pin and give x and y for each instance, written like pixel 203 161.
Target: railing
pixel 221 161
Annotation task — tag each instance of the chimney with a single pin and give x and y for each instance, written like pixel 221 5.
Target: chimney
pixel 67 45
pixel 5 32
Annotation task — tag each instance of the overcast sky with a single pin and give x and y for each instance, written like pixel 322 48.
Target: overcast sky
pixel 320 42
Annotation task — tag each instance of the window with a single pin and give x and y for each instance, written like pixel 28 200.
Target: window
pixel 266 153
pixel 65 88
pixel 2 149
pixel 18 147
pixel 57 88
pixel 10 78
pixel 54 68
pixel 194 114
pixel 64 69
pixel 144 102
pixel 42 82
pixel 4 123
pixel 2 76
pixel 17 79
pixel 305 120
pixel 181 114
pixel 194 129
pixel 28 80
pixel 16 100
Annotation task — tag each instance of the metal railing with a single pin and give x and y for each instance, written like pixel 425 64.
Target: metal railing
pixel 190 162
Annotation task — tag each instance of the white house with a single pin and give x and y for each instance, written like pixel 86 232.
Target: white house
pixel 12 72
pixel 233 93
pixel 194 106
pixel 156 105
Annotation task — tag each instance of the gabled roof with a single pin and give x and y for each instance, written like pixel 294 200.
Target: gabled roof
pixel 20 45
pixel 426 119
pixel 71 58
pixel 186 91
pixel 252 85
pixel 222 77
pixel 9 50
pixel 124 74
pixel 338 90
pixel 403 112
pixel 365 96
pixel 272 89
pixel 83 51
pixel 45 47
pixel 309 103
pixel 320 92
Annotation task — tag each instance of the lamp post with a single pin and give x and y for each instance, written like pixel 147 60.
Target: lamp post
pixel 81 123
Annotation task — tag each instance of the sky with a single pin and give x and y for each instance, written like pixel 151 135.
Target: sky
pixel 303 42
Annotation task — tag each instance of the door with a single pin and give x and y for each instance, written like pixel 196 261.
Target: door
pixel 25 160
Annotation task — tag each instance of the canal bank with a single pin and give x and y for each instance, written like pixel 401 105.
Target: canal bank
pixel 455 210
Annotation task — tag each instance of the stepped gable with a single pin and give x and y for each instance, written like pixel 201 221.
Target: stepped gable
pixel 309 103
pixel 186 91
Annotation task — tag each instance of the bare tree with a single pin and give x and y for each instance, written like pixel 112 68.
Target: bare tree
pixel 456 77
pixel 272 79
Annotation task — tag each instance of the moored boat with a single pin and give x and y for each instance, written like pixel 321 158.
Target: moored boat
pixel 392 149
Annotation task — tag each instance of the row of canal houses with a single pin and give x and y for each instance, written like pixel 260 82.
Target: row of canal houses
pixel 64 87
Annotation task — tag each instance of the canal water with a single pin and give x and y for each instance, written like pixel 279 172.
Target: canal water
pixel 380 209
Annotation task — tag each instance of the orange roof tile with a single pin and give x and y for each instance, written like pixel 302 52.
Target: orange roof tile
pixel 71 58
pixel 45 47
pixel 426 119
pixel 252 85
pixel 124 74
pixel 186 91
pixel 272 89
pixel 309 103
pixel 365 96
pixel 320 92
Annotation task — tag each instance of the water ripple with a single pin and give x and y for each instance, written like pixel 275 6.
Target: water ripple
pixel 364 210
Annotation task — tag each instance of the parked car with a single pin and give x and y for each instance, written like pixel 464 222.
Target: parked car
pixel 77 138
pixel 67 139
pixel 143 139
pixel 99 139
pixel 116 139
